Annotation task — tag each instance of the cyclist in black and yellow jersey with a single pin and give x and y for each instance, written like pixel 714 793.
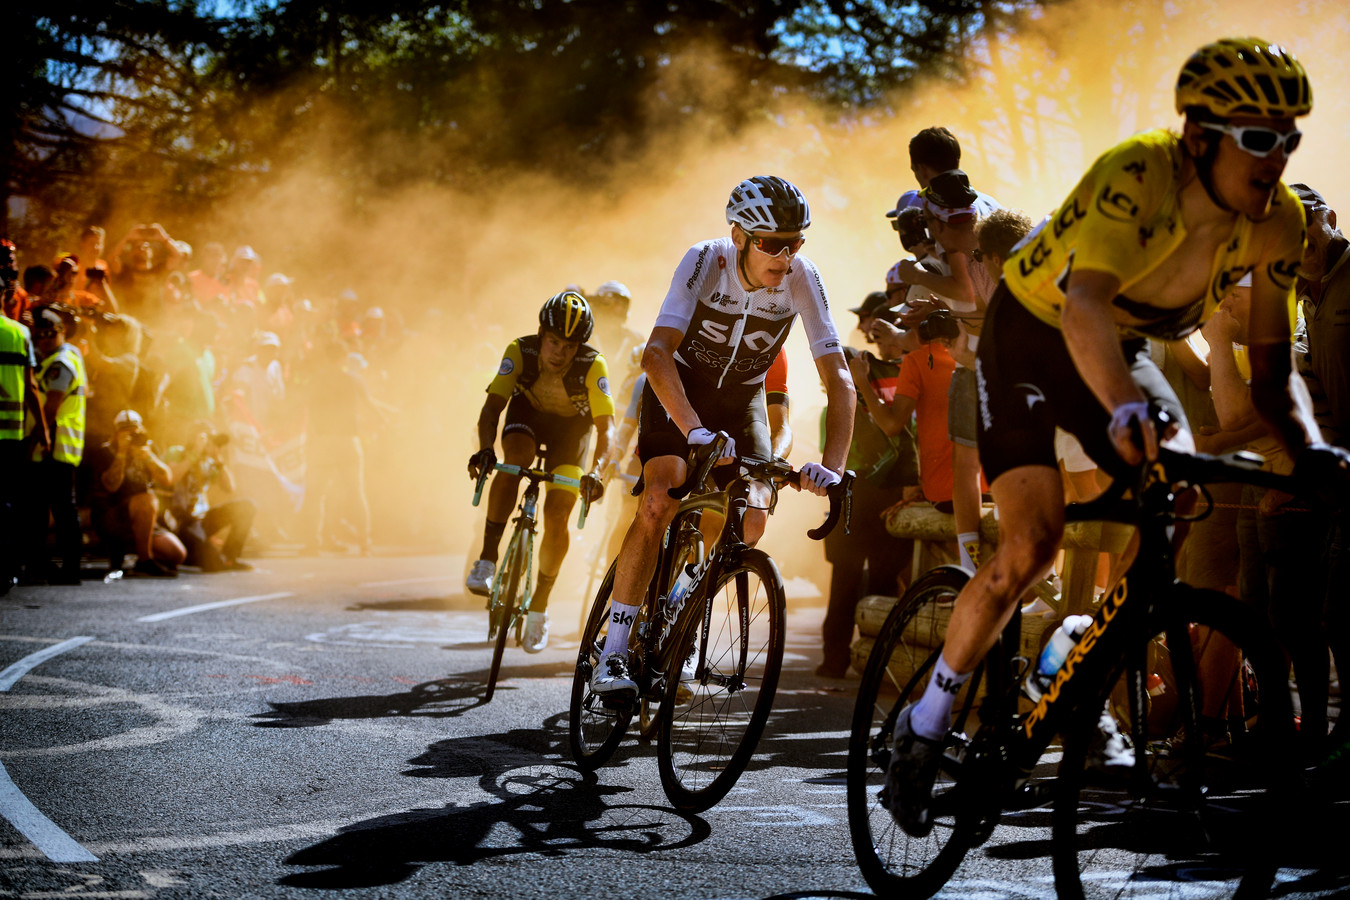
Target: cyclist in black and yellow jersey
pixel 1146 246
pixel 554 387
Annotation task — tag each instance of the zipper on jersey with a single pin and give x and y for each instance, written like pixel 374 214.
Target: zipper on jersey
pixel 735 341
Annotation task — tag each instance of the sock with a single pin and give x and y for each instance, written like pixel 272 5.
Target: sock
pixel 542 588
pixel 620 621
pixel 969 544
pixel 492 540
pixel 931 717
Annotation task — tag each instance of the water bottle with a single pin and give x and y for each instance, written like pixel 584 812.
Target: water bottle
pixel 681 587
pixel 1054 654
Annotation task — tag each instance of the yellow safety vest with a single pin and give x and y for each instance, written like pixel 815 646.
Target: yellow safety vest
pixel 68 441
pixel 15 355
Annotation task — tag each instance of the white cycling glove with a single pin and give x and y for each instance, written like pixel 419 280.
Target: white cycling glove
pixel 820 476
pixel 700 436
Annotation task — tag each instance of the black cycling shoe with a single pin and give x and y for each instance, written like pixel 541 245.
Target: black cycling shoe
pixel 908 793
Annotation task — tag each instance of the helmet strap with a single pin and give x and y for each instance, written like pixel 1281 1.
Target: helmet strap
pixel 1204 170
pixel 740 264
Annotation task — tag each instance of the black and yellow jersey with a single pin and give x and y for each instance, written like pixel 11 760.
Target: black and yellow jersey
pixel 586 380
pixel 1123 219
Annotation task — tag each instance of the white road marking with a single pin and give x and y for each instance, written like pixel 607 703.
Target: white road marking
pixel 24 666
pixel 44 834
pixel 219 604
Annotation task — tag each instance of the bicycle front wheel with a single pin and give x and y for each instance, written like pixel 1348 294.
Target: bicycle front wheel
pixel 1197 797
pixel 719 690
pixel 594 729
pixel 502 614
pixel 906 649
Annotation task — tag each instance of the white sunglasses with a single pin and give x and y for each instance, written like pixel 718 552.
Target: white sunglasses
pixel 1258 140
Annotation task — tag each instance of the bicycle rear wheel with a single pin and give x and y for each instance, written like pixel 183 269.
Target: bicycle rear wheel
pixel 594 729
pixel 502 613
pixel 706 738
pixel 1196 801
pixel 906 649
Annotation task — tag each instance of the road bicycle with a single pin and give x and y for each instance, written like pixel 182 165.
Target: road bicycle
pixel 512 585
pixel 707 667
pixel 1186 795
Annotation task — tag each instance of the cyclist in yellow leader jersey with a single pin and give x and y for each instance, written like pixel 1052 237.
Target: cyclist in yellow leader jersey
pixel 1148 243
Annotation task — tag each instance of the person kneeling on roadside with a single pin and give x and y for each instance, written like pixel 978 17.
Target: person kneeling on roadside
pixel 125 508
pixel 197 468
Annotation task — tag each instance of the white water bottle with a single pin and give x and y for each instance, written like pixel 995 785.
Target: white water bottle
pixel 681 587
pixel 1054 654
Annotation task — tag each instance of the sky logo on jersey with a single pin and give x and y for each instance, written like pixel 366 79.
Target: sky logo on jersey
pixel 755 341
pixel 506 368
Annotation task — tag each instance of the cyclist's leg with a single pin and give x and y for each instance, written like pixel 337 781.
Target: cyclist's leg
pixel 565 440
pixel 642 543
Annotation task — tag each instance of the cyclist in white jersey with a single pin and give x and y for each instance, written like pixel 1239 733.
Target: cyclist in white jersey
pixel 730 306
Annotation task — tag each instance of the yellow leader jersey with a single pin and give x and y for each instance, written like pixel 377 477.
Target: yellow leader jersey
pixel 1123 219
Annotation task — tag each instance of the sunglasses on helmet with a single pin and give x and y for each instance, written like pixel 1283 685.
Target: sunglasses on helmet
pixel 1258 140
pixel 775 246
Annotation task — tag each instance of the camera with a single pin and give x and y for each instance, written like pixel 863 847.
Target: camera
pixel 912 227
pixel 940 325
pixel 220 440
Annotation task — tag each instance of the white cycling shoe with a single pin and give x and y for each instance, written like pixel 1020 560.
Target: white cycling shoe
pixel 610 679
pixel 536 632
pixel 480 578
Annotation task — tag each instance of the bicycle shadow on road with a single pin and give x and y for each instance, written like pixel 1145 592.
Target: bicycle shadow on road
pixel 442 698
pixel 537 805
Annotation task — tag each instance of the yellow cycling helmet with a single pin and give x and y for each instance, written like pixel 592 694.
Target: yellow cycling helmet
pixel 1244 77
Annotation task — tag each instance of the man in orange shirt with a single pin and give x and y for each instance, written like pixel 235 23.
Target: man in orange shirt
pixel 921 391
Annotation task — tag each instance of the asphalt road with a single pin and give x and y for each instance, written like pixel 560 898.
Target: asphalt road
pixel 317 725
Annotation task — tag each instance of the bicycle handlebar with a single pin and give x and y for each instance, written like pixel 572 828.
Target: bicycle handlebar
pixel 1175 468
pixel 704 457
pixel 536 476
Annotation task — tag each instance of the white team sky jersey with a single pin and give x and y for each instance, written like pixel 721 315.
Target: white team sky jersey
pixel 731 337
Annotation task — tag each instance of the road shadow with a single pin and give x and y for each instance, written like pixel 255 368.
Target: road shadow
pixel 537 805
pixel 442 698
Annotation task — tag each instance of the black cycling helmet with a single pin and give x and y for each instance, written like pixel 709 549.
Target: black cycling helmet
pixel 567 315
pixel 768 203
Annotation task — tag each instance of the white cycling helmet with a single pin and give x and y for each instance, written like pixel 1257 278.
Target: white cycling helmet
pixel 613 289
pixel 768 203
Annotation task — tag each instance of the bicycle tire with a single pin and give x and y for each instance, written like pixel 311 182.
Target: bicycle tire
pixel 504 608
pixel 906 648
pixel 1227 808
pixel 594 730
pixel 706 741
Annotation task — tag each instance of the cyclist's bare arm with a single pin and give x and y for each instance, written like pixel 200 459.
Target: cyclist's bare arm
pixel 1278 393
pixel 658 361
pixel 841 399
pixel 780 432
pixel 488 418
pixel 604 427
pixel 1089 328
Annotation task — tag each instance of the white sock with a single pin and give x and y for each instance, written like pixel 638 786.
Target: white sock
pixel 931 717
pixel 968 543
pixel 620 622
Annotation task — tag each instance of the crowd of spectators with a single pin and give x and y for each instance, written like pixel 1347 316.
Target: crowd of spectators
pixel 174 399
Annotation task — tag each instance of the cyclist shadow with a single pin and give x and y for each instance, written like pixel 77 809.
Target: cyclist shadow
pixel 442 698
pixel 536 805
